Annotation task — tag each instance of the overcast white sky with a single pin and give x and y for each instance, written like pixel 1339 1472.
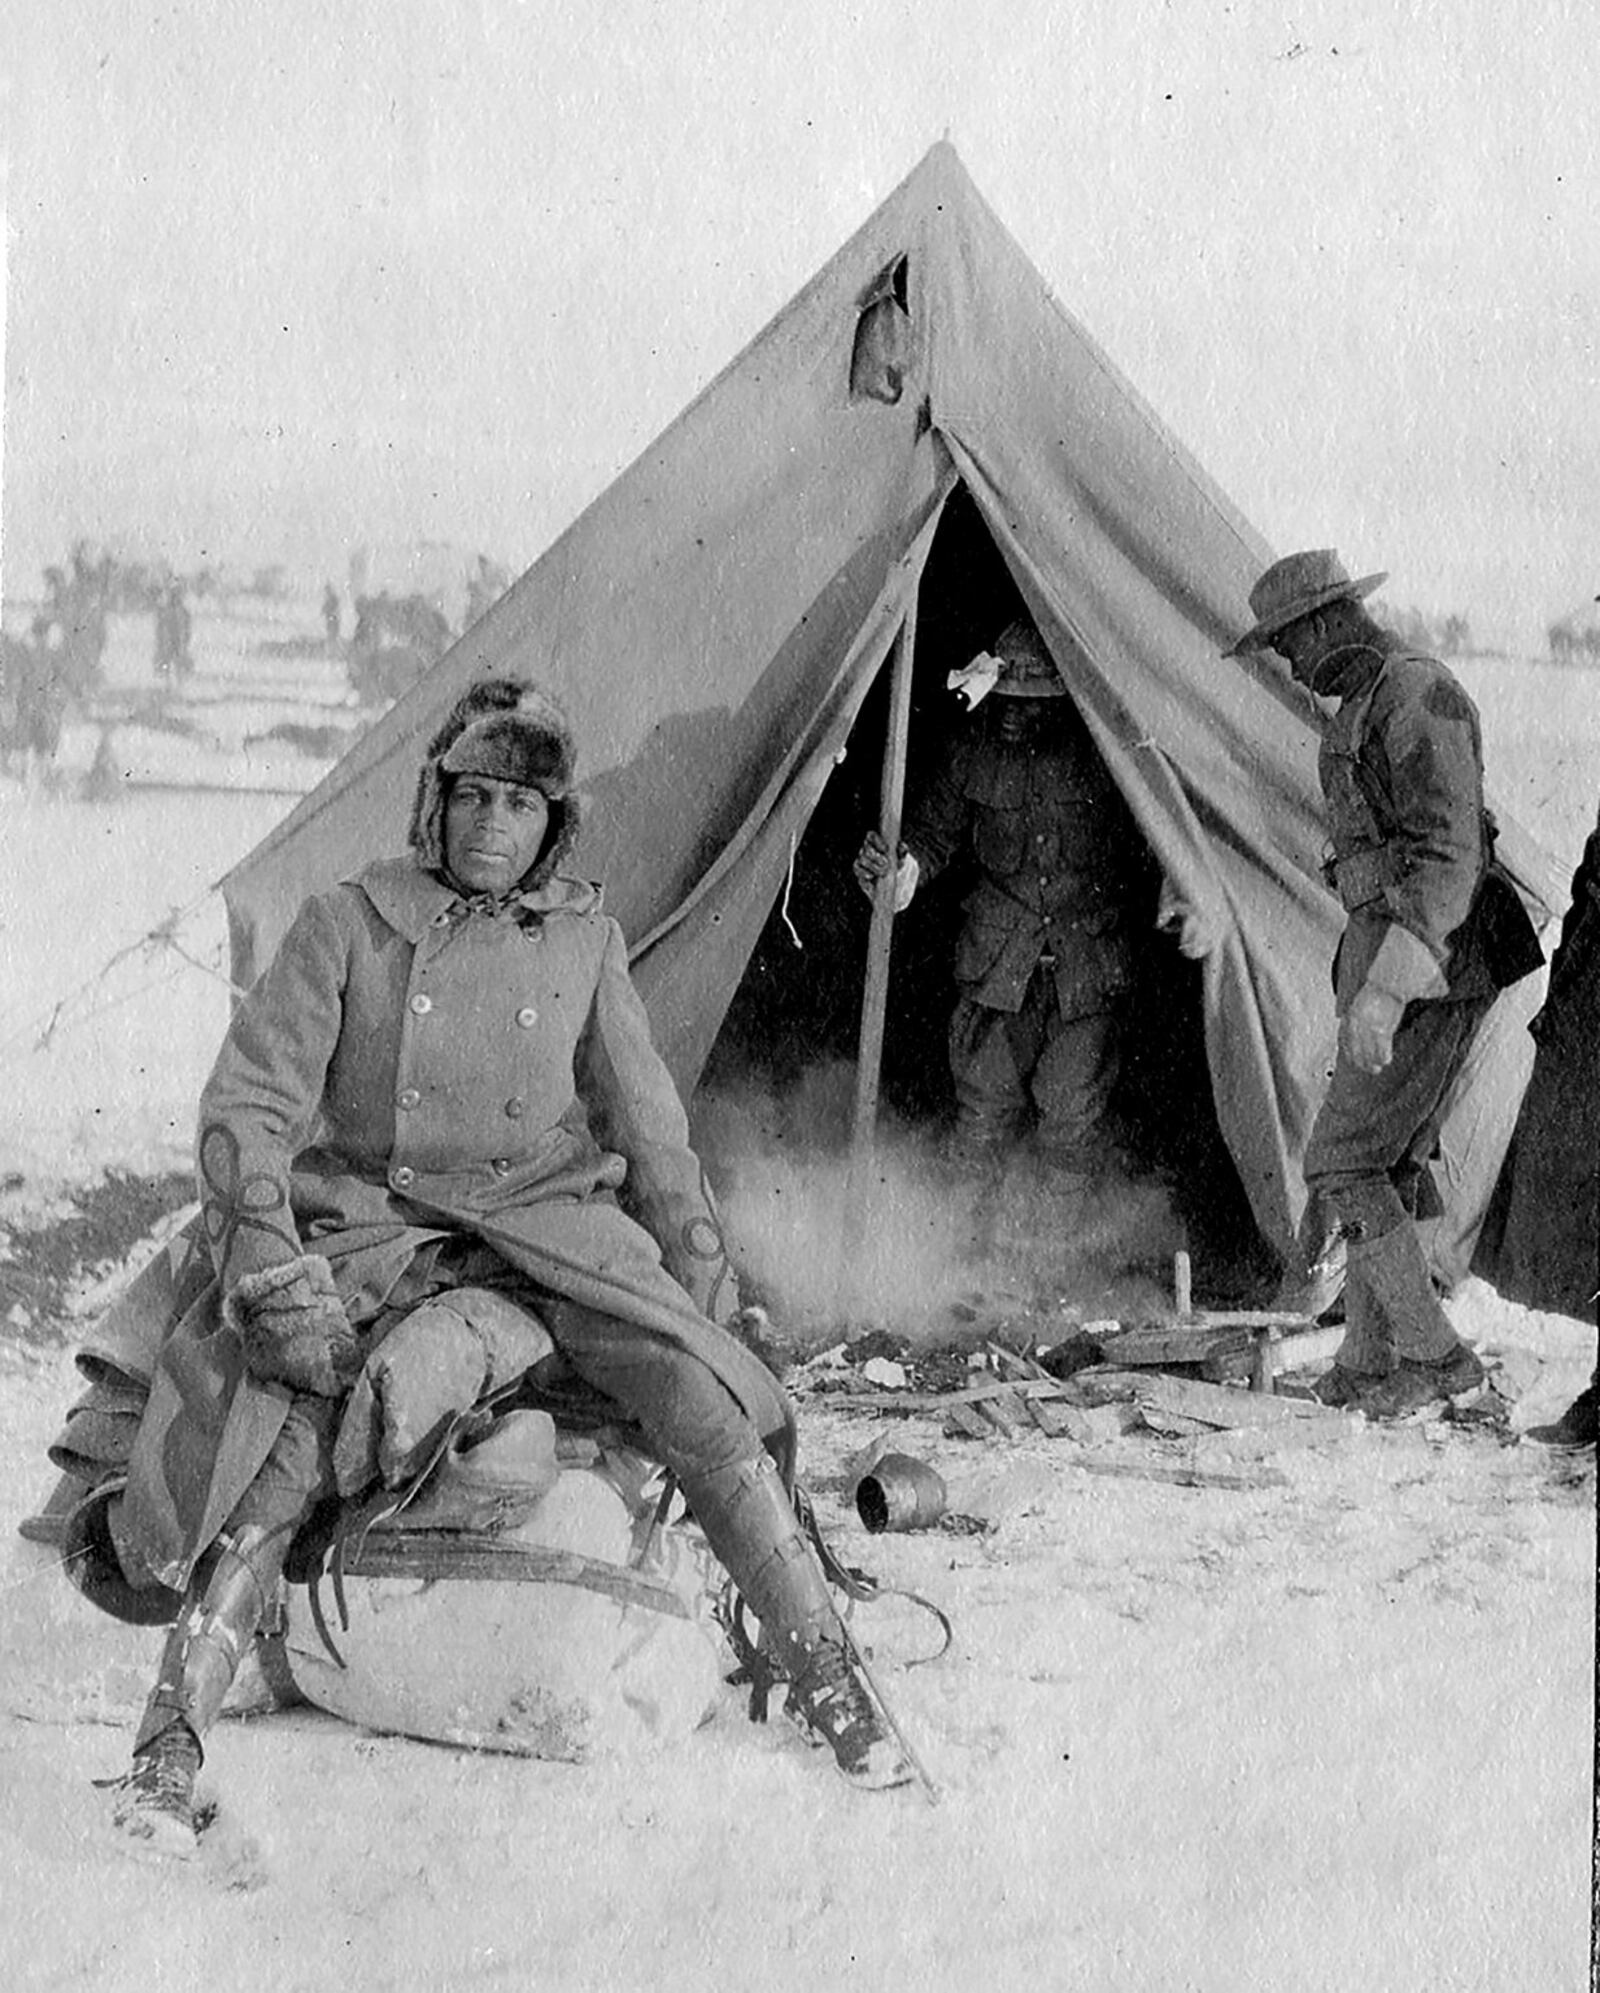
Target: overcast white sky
pixel 286 275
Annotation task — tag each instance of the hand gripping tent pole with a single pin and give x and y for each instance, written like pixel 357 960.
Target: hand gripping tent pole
pixel 874 1005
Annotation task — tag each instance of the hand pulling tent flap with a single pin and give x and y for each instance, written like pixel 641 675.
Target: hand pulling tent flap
pixel 718 622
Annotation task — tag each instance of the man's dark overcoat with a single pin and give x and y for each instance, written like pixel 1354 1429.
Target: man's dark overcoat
pixel 1540 1243
pixel 414 1067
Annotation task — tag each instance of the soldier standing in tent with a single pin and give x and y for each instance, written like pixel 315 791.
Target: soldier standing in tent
pixel 1540 1243
pixel 1046 953
pixel 442 1096
pixel 1434 931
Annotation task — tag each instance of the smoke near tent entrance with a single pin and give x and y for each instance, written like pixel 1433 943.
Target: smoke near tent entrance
pixel 775 1099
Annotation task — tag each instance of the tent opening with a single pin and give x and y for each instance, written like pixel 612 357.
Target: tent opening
pixel 789 1038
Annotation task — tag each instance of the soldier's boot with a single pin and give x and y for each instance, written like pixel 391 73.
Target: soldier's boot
pixel 219 1618
pixel 751 1524
pixel 1366 1356
pixel 1433 1364
pixel 1577 1427
pixel 1314 1280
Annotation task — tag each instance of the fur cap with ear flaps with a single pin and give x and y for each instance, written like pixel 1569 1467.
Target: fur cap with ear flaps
pixel 507 728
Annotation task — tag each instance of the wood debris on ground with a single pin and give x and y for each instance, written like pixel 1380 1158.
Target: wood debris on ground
pixel 1214 1394
pixel 1166 1382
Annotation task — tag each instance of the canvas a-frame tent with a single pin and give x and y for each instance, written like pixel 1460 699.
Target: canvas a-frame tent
pixel 719 620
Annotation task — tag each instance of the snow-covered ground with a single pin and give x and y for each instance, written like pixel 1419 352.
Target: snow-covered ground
pixel 1332 1732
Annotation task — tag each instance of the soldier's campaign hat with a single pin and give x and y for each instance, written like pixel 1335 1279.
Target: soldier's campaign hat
pixel 1027 670
pixel 1296 586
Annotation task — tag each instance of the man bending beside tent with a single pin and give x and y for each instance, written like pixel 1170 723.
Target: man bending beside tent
pixel 1434 930
pixel 440 1106
pixel 1046 954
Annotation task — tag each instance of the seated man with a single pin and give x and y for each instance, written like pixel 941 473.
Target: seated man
pixel 446 1076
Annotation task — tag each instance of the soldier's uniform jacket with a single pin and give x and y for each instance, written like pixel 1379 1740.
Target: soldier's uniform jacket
pixel 1401 765
pixel 1059 861
pixel 413 1067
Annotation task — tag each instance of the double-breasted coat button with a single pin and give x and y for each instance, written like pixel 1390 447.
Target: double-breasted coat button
pixel 402 1178
pixel 421 1005
pixel 527 1016
pixel 515 1109
pixel 409 1098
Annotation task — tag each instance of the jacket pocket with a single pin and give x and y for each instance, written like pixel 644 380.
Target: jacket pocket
pixel 1000 840
pixel 983 939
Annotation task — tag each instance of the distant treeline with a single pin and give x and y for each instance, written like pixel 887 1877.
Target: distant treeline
pixel 1436 636
pixel 1571 640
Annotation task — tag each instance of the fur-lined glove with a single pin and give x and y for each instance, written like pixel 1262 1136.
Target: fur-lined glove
pixel 294 1328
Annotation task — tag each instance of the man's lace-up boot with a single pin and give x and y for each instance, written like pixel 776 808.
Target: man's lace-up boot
pixel 751 1524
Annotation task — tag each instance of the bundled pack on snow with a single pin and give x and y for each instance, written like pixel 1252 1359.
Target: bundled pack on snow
pixel 521 1589
pixel 529 1600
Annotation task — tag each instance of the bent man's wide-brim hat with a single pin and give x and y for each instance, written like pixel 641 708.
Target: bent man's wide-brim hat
pixel 1299 585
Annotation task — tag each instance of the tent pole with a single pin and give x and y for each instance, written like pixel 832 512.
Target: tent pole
pixel 874 1004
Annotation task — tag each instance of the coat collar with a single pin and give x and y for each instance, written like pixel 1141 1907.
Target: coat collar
pixel 412 900
pixel 1351 672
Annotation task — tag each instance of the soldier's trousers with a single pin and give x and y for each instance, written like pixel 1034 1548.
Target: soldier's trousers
pixel 688 1415
pixel 1375 1132
pixel 1010 1067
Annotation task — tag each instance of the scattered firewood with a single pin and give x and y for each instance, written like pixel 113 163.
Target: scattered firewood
pixel 966 1422
pixel 849 1399
pixel 1157 1345
pixel 1253 1442
pixel 1055 1420
pixel 1211 1404
pixel 1182 1475
pixel 1308 1346
pixel 1006 1412
pixel 1174 1425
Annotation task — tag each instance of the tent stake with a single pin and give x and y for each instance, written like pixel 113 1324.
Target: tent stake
pixel 874 1004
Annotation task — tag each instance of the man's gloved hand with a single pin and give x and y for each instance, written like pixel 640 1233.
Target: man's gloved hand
pixel 1403 971
pixel 1190 929
pixel 293 1327
pixel 1191 926
pixel 753 1327
pixel 1366 1031
pixel 872 862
